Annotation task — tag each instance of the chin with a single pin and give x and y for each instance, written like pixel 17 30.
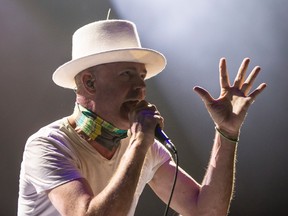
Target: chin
pixel 123 123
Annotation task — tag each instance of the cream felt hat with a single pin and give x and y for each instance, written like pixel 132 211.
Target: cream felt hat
pixel 103 42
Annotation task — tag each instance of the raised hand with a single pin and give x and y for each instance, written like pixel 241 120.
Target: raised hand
pixel 228 111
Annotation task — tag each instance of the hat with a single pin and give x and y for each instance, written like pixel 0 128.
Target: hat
pixel 103 42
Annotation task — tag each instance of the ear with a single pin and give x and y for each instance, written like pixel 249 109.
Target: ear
pixel 88 82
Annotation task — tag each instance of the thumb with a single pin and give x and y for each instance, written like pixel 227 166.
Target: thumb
pixel 203 94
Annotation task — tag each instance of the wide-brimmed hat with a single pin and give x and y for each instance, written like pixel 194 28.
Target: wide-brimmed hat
pixel 103 42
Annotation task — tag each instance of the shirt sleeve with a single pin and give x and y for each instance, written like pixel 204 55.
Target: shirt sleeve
pixel 157 156
pixel 49 162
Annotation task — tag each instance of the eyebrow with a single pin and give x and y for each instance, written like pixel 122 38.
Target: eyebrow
pixel 134 68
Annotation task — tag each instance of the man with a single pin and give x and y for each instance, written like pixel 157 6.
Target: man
pixel 98 160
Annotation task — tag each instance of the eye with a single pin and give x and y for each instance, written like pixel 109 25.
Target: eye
pixel 125 73
pixel 143 75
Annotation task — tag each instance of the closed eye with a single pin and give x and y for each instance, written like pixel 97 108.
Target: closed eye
pixel 126 73
pixel 131 73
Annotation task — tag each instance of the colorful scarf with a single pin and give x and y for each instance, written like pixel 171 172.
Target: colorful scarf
pixel 98 129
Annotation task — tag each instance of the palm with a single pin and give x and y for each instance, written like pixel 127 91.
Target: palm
pixel 229 110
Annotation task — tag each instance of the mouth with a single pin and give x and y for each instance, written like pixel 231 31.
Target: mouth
pixel 130 104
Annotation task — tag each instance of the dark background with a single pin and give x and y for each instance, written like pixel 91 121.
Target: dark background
pixel 35 38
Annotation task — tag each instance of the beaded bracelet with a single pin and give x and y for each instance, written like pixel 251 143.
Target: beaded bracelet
pixel 226 137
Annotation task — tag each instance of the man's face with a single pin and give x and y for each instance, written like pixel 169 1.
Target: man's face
pixel 118 88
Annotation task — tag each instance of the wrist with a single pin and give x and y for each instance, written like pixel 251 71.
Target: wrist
pixel 140 140
pixel 232 137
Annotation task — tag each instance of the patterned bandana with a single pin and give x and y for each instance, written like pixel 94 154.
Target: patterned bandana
pixel 98 129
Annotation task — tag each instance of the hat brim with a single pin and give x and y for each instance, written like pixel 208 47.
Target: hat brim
pixel 154 61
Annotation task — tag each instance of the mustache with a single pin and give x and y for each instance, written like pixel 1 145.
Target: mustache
pixel 137 95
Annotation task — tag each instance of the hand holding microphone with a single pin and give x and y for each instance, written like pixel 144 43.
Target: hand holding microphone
pixel 145 114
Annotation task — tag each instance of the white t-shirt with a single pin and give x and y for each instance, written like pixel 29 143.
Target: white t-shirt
pixel 56 154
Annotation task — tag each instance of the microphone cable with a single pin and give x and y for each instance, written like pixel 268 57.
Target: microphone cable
pixel 174 153
pixel 164 139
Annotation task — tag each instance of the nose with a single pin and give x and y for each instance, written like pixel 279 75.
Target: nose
pixel 140 86
pixel 139 81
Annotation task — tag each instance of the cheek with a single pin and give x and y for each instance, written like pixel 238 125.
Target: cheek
pixel 106 92
pixel 111 96
pixel 109 99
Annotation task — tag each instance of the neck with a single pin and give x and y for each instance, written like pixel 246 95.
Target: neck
pixel 108 154
pixel 94 128
pixel 85 102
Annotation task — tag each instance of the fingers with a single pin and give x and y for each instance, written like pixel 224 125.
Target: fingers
pixel 146 113
pixel 224 77
pixel 257 91
pixel 239 79
pixel 239 83
pixel 246 87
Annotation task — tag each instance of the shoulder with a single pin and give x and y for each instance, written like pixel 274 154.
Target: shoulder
pixel 55 132
pixel 46 130
pixel 49 141
pixel 48 157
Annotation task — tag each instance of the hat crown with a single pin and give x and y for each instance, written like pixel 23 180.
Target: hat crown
pixel 104 36
pixel 103 42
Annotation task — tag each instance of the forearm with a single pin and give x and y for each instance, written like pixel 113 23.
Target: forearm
pixel 217 186
pixel 117 197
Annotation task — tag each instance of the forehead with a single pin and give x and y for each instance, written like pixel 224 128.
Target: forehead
pixel 116 66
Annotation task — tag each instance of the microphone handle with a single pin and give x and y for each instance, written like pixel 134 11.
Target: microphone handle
pixel 164 139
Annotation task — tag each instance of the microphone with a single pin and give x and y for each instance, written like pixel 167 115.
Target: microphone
pixel 164 139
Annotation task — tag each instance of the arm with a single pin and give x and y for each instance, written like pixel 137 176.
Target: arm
pixel 76 197
pixel 213 195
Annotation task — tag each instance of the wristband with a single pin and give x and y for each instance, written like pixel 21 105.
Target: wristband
pixel 236 140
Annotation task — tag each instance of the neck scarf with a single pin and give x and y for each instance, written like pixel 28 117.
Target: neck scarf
pixel 98 129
